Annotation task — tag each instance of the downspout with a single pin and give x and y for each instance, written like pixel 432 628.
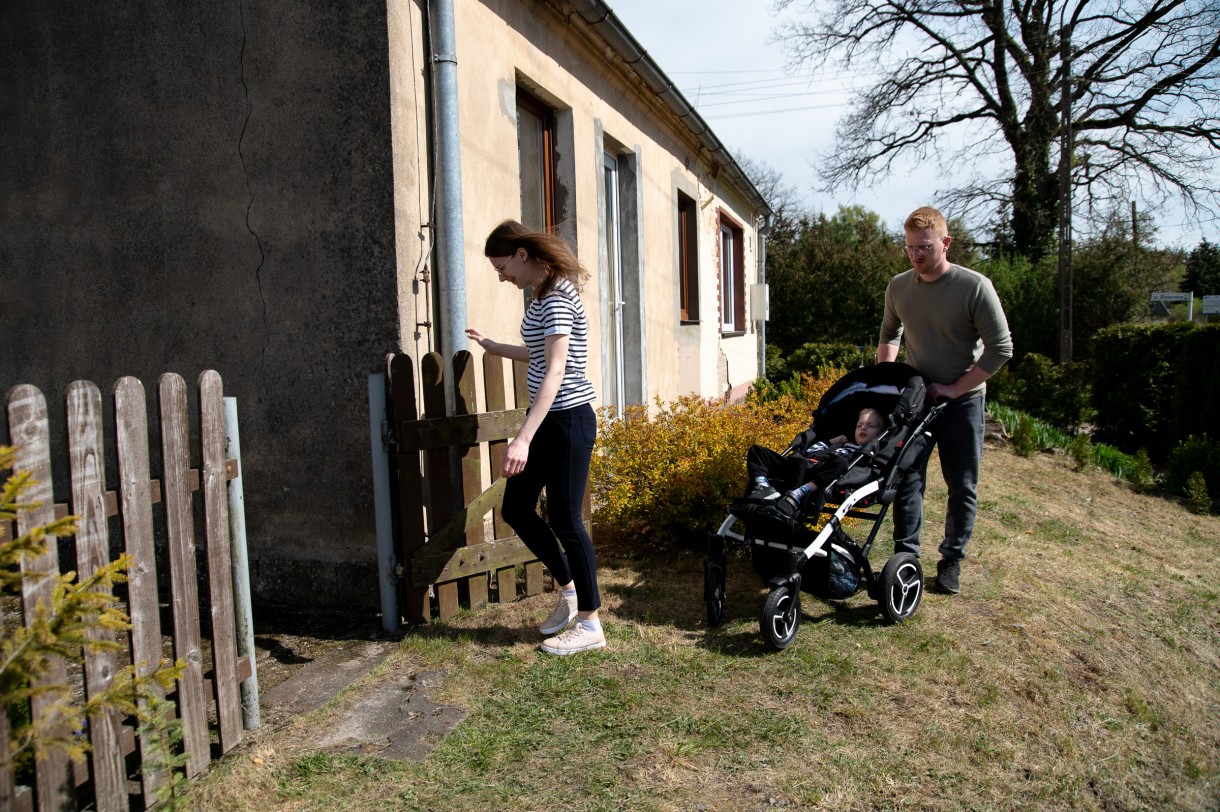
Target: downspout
pixel 762 280
pixel 449 231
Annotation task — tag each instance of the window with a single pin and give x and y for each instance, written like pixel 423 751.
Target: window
pixel 688 258
pixel 732 277
pixel 536 159
pixel 612 234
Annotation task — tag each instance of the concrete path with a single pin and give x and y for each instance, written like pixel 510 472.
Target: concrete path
pixel 392 719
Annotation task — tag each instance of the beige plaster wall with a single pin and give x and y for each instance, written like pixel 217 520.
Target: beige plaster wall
pixel 503 44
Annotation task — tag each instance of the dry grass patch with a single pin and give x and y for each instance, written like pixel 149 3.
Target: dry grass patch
pixel 1078 669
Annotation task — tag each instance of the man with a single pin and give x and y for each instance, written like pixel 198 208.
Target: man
pixel 957 337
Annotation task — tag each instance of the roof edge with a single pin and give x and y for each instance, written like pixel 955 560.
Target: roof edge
pixel 602 21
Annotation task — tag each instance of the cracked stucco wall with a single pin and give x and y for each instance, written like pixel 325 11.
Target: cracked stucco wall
pixel 195 185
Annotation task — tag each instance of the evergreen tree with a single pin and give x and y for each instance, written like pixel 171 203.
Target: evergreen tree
pixel 1203 270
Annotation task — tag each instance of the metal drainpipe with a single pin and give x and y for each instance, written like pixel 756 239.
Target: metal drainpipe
pixel 762 280
pixel 450 234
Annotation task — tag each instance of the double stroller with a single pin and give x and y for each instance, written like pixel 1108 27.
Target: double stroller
pixel 811 550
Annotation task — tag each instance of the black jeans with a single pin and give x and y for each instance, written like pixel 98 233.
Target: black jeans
pixel 958 435
pixel 558 461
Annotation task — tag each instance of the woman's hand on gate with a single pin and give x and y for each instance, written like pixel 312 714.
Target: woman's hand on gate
pixel 516 456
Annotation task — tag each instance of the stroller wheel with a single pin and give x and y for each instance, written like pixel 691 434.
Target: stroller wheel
pixel 901 587
pixel 713 591
pixel 781 616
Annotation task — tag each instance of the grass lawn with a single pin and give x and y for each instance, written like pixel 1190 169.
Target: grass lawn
pixel 1078 669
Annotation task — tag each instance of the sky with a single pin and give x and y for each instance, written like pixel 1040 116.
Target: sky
pixel 721 56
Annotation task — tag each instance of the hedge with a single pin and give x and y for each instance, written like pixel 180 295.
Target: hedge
pixel 1155 385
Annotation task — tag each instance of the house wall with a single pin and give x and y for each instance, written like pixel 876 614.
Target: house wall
pixel 506 44
pixel 245 187
pixel 191 185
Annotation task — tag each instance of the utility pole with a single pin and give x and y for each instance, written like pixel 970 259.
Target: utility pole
pixel 1065 201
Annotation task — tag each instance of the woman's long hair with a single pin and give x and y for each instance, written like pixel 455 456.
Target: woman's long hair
pixel 553 253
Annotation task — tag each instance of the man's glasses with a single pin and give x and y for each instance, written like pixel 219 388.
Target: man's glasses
pixel 926 248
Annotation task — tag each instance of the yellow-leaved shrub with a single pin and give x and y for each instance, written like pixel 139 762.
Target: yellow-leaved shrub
pixel 666 476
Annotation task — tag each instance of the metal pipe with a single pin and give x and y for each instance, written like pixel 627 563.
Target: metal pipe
pixel 387 571
pixel 243 617
pixel 450 232
pixel 762 280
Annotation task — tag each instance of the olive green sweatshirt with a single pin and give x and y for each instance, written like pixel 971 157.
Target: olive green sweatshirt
pixel 949 325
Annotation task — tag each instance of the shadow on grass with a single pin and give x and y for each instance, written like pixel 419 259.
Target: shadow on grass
pixel 668 591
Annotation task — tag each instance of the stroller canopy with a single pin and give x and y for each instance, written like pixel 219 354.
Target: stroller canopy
pixel 895 390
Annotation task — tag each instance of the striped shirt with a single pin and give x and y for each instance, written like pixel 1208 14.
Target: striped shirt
pixel 560 312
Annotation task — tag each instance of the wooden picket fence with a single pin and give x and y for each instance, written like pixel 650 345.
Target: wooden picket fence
pixel 111 781
pixel 452 557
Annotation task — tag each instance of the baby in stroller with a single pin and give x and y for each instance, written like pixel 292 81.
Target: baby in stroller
pixel 804 472
pixel 799 542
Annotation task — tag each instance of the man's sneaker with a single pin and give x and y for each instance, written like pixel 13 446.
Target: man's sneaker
pixel 575 639
pixel 763 492
pixel 558 620
pixel 947 575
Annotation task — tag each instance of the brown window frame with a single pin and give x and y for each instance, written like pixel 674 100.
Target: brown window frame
pixel 546 115
pixel 688 258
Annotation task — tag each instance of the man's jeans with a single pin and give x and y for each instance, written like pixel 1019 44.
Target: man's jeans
pixel 958 434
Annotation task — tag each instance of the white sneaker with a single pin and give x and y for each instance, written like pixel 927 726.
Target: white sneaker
pixel 565 612
pixel 575 639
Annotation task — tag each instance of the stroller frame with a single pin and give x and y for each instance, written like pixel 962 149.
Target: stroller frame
pixel 780 554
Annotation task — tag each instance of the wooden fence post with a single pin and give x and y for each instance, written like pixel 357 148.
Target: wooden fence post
pixel 185 588
pixel 92 553
pixel 440 484
pixel 493 386
pixel 472 474
pixel 131 441
pixel 413 599
pixel 213 482
pixel 28 430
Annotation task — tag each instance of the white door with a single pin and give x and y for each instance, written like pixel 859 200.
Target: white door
pixel 613 396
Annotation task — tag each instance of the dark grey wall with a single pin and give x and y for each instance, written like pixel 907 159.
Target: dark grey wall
pixel 190 185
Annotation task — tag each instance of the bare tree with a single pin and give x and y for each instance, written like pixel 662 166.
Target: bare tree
pixel 781 196
pixel 960 80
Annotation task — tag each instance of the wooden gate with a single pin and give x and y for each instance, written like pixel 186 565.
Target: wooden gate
pixel 109 781
pixel 452 556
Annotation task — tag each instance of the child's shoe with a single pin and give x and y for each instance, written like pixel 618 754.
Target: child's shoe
pixel 763 492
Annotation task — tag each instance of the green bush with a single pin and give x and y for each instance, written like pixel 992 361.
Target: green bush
pixel 1056 393
pixel 816 358
pixel 1195 454
pixel 1197 497
pixel 1155 384
pixel 1030 295
pixel 667 477
pixel 776 365
pixel 1142 474
pixel 1082 452
pixel 1023 440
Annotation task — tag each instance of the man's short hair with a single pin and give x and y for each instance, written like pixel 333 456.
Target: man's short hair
pixel 927 217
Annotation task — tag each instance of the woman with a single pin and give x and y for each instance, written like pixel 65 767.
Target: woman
pixel 555 443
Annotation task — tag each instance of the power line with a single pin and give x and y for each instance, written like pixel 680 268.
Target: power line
pixel 772 112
